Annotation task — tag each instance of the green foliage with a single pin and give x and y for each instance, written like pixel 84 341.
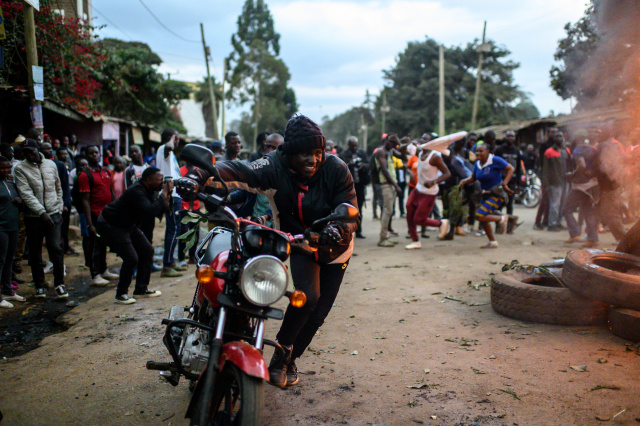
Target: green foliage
pixel 412 90
pixel 202 95
pixel 134 89
pixel 457 205
pixel 573 53
pixel 257 75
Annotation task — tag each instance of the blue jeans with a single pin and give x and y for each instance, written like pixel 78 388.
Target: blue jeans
pixel 555 204
pixel 171 232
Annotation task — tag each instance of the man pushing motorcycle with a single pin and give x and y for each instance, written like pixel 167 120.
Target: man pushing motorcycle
pixel 303 184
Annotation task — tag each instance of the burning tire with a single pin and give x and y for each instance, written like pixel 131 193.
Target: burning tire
pixel 609 277
pixel 625 323
pixel 542 299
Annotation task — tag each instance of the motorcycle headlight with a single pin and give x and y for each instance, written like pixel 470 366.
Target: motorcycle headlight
pixel 264 280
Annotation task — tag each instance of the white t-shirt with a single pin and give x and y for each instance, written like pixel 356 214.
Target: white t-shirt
pixel 137 170
pixel 427 172
pixel 168 166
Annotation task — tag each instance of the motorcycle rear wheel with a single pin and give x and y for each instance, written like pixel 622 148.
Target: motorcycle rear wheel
pixel 238 399
pixel 531 197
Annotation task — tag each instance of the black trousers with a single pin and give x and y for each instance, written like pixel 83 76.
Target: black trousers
pixel 136 252
pixel 65 229
pixel 37 231
pixel 321 283
pixel 8 243
pixel 361 193
pixel 97 251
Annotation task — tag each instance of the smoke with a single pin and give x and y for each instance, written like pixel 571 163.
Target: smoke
pixel 612 73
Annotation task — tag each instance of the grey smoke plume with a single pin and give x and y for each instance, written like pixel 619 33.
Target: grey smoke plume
pixel 612 74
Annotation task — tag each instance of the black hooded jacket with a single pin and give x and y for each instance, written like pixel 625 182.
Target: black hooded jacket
pixel 297 203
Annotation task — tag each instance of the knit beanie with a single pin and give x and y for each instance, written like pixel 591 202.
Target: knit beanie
pixel 302 135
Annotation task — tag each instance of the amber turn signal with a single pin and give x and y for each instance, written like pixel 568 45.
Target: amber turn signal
pixel 298 299
pixel 204 274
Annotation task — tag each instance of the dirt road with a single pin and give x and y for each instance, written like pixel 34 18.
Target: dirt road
pixel 408 341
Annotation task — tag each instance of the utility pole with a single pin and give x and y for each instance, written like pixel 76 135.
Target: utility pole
pixel 384 109
pixel 207 53
pixel 484 47
pixel 256 117
pixel 32 61
pixel 365 131
pixel 222 113
pixel 441 103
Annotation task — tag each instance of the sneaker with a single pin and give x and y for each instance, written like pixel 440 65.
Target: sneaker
pixel 171 273
pixel 124 299
pixel 41 293
pixel 590 244
pixel 554 228
pixel 424 235
pixel 5 304
pixel 156 267
pixel 61 292
pixel 360 235
pixel 502 225
pixel 98 281
pixel 538 227
pixel 18 280
pixel 278 367
pixel 48 267
pixel 182 266
pixel 490 245
pixel 573 240
pixel 14 285
pixel 444 228
pixel 292 374
pixel 414 245
pixel 109 276
pixel 14 296
pixel 385 243
pixel 148 293
pixel 393 233
pixel 71 252
pixel 17 267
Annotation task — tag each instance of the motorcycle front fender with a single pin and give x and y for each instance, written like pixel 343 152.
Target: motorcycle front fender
pixel 246 358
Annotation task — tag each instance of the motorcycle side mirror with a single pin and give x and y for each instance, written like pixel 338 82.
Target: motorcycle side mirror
pixel 200 157
pixel 345 212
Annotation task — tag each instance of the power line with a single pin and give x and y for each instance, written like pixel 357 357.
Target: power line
pixel 111 22
pixel 164 26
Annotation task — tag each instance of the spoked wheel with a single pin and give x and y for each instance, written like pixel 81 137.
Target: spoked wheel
pixel 531 197
pixel 237 398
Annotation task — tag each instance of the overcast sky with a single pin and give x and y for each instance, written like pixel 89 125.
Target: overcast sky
pixel 337 49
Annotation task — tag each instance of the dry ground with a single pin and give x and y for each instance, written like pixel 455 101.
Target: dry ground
pixel 394 350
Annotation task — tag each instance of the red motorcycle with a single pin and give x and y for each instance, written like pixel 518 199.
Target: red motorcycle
pixel 216 343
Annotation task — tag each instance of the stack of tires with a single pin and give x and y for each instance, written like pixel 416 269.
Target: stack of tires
pixel 588 287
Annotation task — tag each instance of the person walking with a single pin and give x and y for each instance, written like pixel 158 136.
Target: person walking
pixel 488 171
pixel 10 203
pixel 423 197
pixel 512 155
pixel 40 189
pixel 554 179
pixel 357 161
pixel 388 184
pixel 168 164
pixel 119 224
pixel 96 190
pixel 542 215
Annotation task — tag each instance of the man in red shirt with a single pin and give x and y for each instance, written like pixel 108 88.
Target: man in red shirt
pixel 96 189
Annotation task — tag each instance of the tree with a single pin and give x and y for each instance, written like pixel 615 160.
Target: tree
pixel 573 53
pixel 202 95
pixel 598 58
pixel 257 75
pixel 412 89
pixel 134 89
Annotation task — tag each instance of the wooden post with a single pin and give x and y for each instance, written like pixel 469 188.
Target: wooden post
pixel 441 103
pixel 212 97
pixel 474 113
pixel 32 50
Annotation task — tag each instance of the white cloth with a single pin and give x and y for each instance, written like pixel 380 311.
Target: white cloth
pixel 168 166
pixel 427 172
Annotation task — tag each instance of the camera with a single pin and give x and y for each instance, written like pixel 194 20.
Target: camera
pixel 357 161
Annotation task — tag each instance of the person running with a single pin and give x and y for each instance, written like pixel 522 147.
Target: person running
pixel 10 203
pixel 304 184
pixel 488 171
pixel 423 197
pixel 388 184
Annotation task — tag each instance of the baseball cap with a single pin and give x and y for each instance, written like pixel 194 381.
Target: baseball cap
pixel 29 144
pixel 18 140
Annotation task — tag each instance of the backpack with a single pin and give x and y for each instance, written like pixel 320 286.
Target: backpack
pixel 76 197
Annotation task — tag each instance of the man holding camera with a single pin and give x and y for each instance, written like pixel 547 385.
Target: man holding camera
pixel 357 161
pixel 168 165
pixel 118 225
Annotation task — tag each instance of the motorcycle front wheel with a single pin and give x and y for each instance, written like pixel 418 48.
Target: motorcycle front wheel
pixel 238 399
pixel 531 197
